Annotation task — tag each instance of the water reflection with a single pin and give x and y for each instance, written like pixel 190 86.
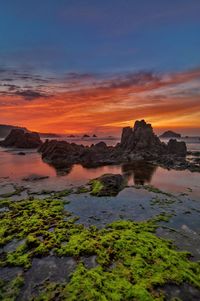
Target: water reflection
pixel 141 172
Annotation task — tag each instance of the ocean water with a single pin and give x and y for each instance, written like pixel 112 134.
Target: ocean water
pixel 15 168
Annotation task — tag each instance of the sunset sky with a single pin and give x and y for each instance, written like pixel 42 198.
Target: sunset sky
pixel 79 66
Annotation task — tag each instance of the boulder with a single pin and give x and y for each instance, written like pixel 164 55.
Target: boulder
pixel 107 185
pixel 177 148
pixel 18 138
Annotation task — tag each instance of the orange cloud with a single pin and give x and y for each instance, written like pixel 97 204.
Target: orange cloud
pixel 80 104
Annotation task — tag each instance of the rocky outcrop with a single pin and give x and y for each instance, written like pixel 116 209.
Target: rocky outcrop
pixel 141 142
pixel 61 154
pixel 18 138
pixel 137 143
pixel 177 148
pixel 107 185
pixel 170 134
pixel 141 139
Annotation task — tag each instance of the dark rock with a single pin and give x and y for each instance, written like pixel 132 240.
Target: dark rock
pixel 86 136
pixel 107 185
pixel 170 134
pixel 141 138
pixel 34 178
pixel 139 143
pixel 21 154
pixel 61 154
pixel 20 139
pixel 177 148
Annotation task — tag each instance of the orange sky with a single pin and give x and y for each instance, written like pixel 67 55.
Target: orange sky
pixel 88 104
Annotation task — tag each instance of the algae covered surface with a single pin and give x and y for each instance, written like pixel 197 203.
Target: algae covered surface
pixel 131 262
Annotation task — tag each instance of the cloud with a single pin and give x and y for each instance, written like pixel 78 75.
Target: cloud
pixel 82 102
pixel 30 94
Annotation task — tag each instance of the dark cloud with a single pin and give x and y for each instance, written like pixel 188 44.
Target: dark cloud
pixel 133 79
pixel 30 94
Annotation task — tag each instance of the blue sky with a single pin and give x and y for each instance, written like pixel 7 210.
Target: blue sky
pixel 52 36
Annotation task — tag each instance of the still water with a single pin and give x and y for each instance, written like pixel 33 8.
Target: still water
pixel 14 167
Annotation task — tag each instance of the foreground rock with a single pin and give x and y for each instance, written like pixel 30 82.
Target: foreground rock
pixel 137 144
pixel 107 185
pixel 18 138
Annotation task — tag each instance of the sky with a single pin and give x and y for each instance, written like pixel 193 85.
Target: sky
pixel 90 66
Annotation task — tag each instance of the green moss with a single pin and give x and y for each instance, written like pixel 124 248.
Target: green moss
pixel 153 189
pixel 96 187
pixel 132 260
pixel 62 193
pixel 162 202
pixel 31 220
pixel 9 291
pixel 82 189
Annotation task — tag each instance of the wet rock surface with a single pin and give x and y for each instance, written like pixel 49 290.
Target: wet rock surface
pixel 107 185
pixel 49 268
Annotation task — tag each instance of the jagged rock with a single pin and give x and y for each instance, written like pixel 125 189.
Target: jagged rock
pixel 18 138
pixel 107 185
pixel 141 138
pixel 142 141
pixel 139 143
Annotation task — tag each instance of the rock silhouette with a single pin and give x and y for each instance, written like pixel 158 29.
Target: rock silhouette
pixel 137 143
pixel 18 138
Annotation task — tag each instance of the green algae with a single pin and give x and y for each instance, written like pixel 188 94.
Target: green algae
pixel 9 291
pixel 153 189
pixel 131 260
pixel 32 220
pixel 162 202
pixel 62 193
pixel 132 263
pixel 96 187
pixel 82 189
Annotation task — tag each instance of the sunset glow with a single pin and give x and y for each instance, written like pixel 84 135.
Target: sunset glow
pixel 105 105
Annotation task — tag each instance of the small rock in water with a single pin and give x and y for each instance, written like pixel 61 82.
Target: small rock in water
pixel 34 177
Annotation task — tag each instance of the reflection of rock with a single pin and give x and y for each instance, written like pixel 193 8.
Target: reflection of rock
pixel 65 171
pixel 107 185
pixel 140 171
pixel 20 139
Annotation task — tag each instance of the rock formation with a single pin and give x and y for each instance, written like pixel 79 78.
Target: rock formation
pixel 137 143
pixel 141 138
pixel 18 138
pixel 170 134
